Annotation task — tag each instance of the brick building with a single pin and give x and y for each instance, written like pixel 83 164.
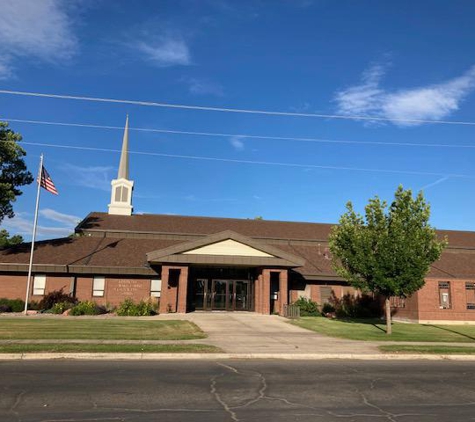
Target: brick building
pixel 200 263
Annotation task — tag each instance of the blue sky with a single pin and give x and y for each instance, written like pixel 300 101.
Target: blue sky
pixel 403 62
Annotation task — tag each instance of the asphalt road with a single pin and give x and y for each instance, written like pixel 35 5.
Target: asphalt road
pixel 67 391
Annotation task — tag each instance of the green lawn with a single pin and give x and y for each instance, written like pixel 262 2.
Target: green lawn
pixel 98 329
pixel 374 330
pixel 108 348
pixel 440 350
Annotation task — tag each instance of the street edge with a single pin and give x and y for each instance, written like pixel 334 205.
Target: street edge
pixel 228 356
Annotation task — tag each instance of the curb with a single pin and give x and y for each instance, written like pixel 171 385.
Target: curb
pixel 228 356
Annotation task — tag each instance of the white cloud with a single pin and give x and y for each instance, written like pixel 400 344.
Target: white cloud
pixel 165 51
pixel 90 177
pixel 237 143
pixel 432 102
pixel 60 217
pixel 204 87
pixel 37 29
pixel 22 225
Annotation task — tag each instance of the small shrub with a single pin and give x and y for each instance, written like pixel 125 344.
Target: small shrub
pixel 33 305
pixel 86 308
pixel 60 307
pixel 4 308
pixel 327 308
pixel 54 297
pixel 307 307
pixel 129 308
pixel 349 306
pixel 11 305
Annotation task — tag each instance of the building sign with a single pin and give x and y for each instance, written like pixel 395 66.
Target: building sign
pixel 127 287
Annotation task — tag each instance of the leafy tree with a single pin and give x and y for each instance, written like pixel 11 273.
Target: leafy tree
pixel 13 172
pixel 6 241
pixel 388 251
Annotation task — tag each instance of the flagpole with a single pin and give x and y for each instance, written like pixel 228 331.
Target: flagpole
pixel 30 267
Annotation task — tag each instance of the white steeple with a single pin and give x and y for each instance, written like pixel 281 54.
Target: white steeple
pixel 121 196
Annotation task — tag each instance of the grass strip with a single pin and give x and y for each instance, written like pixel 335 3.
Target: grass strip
pixel 441 350
pixel 375 330
pixel 27 328
pixel 108 348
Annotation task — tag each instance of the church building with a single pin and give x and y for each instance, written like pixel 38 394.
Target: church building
pixel 191 264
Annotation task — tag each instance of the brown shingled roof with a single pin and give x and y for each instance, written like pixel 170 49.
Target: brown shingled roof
pixel 156 223
pixel 115 250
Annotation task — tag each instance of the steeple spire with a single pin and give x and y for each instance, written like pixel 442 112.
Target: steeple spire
pixel 124 156
pixel 121 195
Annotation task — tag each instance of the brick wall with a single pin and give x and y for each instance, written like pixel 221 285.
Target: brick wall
pixel 116 288
pixel 429 306
pixel 314 289
pixel 410 311
pixel 13 286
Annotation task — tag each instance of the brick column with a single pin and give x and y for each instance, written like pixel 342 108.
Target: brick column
pixel 265 292
pixel 164 296
pixel 182 290
pixel 173 296
pixel 258 294
pixel 283 290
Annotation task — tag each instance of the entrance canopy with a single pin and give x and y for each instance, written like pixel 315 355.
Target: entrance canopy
pixel 225 248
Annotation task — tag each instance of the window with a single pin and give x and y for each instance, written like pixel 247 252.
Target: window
pixel 398 302
pixel 325 294
pixel 444 295
pixel 39 284
pixel 98 286
pixel 470 294
pixel 121 194
pixel 155 287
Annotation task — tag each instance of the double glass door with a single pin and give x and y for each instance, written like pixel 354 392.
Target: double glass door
pixel 224 295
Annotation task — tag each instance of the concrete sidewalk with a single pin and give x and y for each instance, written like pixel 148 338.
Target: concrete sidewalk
pixel 250 333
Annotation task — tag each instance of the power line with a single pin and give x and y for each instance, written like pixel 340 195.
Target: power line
pixel 267 163
pixel 229 135
pixel 231 110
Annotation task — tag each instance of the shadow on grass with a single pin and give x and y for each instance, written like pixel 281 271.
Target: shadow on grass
pixel 376 323
pixel 450 331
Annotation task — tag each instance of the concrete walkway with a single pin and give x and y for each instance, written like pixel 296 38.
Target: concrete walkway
pixel 245 332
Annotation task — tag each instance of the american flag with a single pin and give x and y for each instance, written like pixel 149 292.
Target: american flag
pixel 46 182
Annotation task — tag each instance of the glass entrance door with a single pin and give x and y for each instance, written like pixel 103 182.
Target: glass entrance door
pixel 241 295
pixel 219 295
pixel 222 295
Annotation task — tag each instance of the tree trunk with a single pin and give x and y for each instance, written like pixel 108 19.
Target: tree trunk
pixel 388 316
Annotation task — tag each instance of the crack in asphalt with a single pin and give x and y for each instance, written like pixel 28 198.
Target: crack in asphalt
pixel 382 413
pixel 261 393
pixel 218 398
pixel 83 420
pixel 16 403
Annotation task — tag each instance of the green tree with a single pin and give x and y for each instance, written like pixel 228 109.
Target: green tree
pixel 388 251
pixel 7 241
pixel 13 171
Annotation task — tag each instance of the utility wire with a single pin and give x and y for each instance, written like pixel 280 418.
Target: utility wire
pixel 231 110
pixel 267 163
pixel 230 135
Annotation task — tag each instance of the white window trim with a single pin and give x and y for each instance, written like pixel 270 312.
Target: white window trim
pixel 155 287
pixel 39 284
pixel 98 286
